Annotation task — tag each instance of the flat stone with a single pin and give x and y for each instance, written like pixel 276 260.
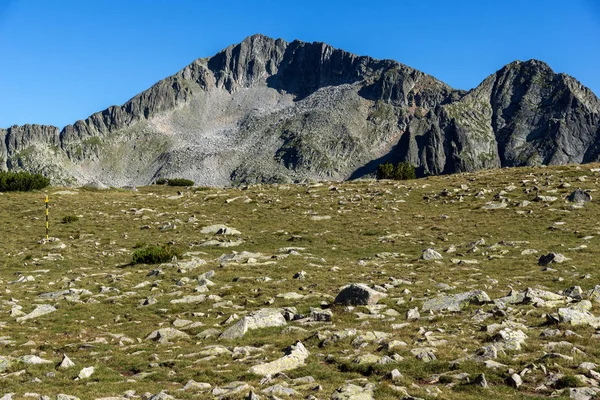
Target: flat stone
pixel 165 335
pixel 190 299
pixel 455 302
pixel 265 318
pixel 350 391
pixel 42 309
pixel 295 357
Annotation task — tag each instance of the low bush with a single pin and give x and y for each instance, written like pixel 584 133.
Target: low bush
pixel 179 182
pixel 22 181
pixel 568 381
pixel 161 181
pixel 154 255
pixel 67 219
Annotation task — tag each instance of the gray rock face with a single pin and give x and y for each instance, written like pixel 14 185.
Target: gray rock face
pixel 358 294
pixel 271 111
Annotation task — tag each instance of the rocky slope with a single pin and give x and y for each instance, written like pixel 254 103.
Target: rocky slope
pixel 271 111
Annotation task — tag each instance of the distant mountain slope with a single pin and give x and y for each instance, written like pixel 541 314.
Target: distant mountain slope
pixel 270 111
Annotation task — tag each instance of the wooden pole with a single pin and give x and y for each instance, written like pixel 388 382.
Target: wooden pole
pixel 46 217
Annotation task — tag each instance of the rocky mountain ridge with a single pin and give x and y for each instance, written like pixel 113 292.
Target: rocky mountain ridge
pixel 266 110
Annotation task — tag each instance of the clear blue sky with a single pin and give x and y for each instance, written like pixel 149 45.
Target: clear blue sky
pixel 63 60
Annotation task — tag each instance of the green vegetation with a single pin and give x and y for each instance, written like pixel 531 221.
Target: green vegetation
pixel 174 182
pixel 402 171
pixel 180 182
pixel 67 219
pixel 22 181
pixel 376 233
pixel 568 381
pixel 154 254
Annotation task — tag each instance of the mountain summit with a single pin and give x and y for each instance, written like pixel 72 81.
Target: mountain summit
pixel 266 110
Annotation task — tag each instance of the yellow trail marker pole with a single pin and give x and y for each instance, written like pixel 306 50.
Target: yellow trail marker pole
pixel 46 217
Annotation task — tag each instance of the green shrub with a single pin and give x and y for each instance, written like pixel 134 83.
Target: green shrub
pixel 67 219
pixel 404 171
pixel 161 181
pixel 568 381
pixel 154 255
pixel 180 182
pixel 400 172
pixel 22 181
pixel 385 171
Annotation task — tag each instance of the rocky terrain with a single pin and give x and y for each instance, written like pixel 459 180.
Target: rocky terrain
pixel 270 111
pixel 461 286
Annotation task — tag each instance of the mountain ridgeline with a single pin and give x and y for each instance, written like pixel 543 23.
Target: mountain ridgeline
pixel 270 111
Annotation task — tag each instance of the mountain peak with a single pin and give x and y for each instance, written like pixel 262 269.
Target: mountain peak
pixel 265 110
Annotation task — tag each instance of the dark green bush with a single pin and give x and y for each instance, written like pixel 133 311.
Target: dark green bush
pixel 568 381
pixel 400 172
pixel 22 181
pixel 154 255
pixel 179 182
pixel 404 171
pixel 161 181
pixel 385 171
pixel 67 219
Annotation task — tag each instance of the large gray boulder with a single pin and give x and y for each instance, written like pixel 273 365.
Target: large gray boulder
pixel 358 294
pixel 579 196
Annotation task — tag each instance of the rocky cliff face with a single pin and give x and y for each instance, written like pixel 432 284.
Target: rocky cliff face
pixel 267 110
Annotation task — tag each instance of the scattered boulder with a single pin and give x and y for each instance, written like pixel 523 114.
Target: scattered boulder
pixel 456 302
pixel 165 335
pixel 350 391
pixel 219 230
pixel 358 294
pixel 430 254
pixel 42 309
pixel 515 381
pixel 551 258
pixel 66 363
pixel 265 318
pixel 86 372
pixel 579 196
pixel 295 357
